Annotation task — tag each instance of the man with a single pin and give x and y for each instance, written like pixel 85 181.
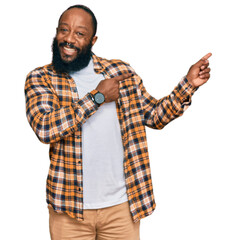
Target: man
pixel 93 113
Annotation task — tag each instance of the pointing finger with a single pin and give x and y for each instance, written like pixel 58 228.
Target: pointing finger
pixel 206 56
pixel 203 60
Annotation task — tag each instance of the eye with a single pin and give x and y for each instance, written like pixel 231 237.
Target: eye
pixel 63 30
pixel 80 34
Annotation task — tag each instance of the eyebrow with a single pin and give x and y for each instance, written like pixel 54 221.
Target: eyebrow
pixel 77 26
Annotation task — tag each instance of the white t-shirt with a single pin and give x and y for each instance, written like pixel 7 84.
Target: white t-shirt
pixel 102 149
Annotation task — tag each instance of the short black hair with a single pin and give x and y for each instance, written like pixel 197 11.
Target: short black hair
pixel 89 11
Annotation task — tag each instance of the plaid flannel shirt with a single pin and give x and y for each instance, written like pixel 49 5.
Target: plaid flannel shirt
pixel 56 114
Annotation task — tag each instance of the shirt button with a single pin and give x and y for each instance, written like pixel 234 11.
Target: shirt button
pixel 79 189
pixel 79 162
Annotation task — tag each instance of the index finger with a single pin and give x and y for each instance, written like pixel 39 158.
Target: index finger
pixel 206 56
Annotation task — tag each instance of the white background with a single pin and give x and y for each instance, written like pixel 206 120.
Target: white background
pixel 192 159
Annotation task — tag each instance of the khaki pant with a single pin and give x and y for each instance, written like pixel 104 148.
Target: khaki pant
pixel 101 224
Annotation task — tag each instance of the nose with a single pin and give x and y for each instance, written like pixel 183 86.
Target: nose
pixel 69 38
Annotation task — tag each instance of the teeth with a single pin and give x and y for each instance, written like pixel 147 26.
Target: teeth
pixel 69 49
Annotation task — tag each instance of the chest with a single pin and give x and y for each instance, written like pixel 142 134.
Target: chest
pixel 70 89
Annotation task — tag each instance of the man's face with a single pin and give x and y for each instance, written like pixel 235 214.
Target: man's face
pixel 74 40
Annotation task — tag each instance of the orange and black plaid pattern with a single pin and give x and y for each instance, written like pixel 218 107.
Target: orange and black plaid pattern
pixel 56 114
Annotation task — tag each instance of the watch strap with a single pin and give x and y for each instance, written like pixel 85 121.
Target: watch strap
pixel 92 94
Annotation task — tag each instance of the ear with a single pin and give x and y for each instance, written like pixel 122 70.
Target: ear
pixel 94 40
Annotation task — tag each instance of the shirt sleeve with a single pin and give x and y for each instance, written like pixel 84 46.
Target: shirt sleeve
pixel 50 121
pixel 158 113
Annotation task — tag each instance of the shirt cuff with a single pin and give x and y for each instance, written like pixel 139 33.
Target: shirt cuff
pixel 85 108
pixel 186 90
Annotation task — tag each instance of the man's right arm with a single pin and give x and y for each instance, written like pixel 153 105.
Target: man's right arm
pixel 50 121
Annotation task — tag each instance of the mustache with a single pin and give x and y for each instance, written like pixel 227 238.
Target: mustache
pixel 66 44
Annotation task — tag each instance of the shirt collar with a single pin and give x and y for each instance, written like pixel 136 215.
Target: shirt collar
pixel 98 67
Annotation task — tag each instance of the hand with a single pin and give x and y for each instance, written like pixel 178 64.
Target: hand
pixel 199 73
pixel 110 87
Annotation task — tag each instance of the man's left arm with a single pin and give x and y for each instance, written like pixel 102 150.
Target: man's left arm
pixel 158 113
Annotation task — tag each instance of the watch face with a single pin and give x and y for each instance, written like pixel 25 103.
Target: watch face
pixel 99 98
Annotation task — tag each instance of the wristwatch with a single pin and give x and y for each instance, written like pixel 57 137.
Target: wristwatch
pixel 97 97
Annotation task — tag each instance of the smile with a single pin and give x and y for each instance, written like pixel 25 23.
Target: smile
pixel 68 50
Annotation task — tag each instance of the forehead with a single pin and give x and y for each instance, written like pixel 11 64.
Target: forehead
pixel 76 17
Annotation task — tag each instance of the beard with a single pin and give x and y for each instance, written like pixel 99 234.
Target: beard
pixel 81 61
